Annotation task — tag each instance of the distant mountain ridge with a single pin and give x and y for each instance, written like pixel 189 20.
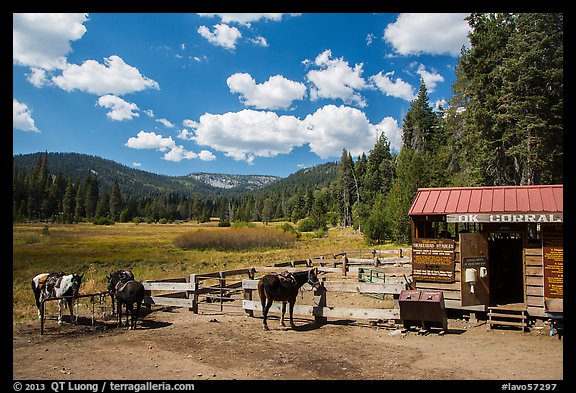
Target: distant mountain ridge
pixel 138 183
pixel 226 181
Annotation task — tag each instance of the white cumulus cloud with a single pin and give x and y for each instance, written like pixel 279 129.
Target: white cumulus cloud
pixel 333 128
pixel 166 123
pixel 335 79
pixel 435 34
pixel 113 77
pixel 172 152
pixel 246 18
pixel 150 140
pixel 276 93
pixel 119 109
pixel 394 88
pixel 223 35
pixel 178 153
pixel 389 126
pixel 43 40
pixel 248 134
pixel 22 117
pixel 206 155
pixel 431 78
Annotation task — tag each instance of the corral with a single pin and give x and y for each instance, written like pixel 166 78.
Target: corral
pixel 233 290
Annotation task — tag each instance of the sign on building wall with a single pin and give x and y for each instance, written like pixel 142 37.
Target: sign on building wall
pixel 433 260
pixel 553 261
pixel 507 218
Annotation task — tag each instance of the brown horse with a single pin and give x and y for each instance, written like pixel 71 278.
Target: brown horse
pixel 284 288
pixel 129 293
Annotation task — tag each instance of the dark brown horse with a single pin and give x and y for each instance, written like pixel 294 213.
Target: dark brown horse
pixel 284 288
pixel 122 276
pixel 129 293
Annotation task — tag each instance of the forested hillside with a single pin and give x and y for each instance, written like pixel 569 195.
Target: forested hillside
pixel 137 183
pixel 502 126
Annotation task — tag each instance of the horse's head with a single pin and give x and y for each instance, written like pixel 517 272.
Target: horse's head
pixel 75 283
pixel 118 276
pixel 111 282
pixel 313 278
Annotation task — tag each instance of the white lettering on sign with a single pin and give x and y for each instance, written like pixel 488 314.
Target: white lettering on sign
pixel 507 218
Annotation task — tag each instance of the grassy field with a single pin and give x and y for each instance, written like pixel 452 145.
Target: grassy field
pixel 146 249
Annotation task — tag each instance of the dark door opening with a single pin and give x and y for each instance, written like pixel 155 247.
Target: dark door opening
pixel 506 268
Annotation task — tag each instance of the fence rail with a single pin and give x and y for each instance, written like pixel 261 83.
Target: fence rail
pixel 219 288
pixel 320 311
pixel 90 295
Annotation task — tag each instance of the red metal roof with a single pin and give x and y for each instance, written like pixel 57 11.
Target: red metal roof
pixel 497 199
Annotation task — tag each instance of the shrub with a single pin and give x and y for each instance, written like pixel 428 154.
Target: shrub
pixel 224 223
pixel 306 225
pixel 243 224
pixel 286 227
pixel 235 239
pixel 103 221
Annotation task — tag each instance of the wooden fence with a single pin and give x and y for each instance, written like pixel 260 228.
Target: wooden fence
pixel 233 289
pixel 320 310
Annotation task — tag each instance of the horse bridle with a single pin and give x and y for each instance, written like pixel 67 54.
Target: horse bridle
pixel 310 280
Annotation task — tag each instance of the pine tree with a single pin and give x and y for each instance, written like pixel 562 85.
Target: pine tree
pixel 345 185
pixel 92 195
pixel 531 107
pixel 419 123
pixel 115 204
pixel 68 202
pixel 512 80
pixel 80 208
pixel 379 170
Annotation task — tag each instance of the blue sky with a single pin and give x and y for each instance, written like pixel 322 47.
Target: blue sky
pixel 176 93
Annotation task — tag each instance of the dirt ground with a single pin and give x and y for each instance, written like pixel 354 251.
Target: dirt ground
pixel 176 344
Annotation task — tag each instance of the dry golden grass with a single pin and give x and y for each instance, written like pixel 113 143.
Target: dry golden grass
pixel 236 239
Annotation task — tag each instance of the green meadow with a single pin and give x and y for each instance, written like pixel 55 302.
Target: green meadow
pixel 149 250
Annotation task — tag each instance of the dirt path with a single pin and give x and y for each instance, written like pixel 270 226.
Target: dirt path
pixel 172 343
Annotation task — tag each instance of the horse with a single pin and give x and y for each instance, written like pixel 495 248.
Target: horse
pixel 55 285
pixel 129 293
pixel 122 276
pixel 284 288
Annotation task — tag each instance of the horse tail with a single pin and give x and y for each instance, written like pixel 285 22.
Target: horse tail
pixel 262 292
pixel 36 290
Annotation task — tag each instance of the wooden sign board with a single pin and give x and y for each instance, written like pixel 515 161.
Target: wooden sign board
pixel 506 218
pixel 553 261
pixel 433 260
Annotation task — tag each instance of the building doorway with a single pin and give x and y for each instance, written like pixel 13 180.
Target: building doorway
pixel 506 268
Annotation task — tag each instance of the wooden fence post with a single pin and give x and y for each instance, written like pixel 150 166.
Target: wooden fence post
pixel 344 265
pixel 320 302
pixel 193 278
pixel 42 310
pixel 248 293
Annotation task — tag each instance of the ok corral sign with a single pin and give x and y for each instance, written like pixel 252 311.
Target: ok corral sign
pixel 494 217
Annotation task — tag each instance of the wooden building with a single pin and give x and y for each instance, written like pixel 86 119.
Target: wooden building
pixel 488 247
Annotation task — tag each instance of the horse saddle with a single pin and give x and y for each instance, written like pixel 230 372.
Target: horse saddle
pixel 287 279
pixel 121 285
pixel 49 283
